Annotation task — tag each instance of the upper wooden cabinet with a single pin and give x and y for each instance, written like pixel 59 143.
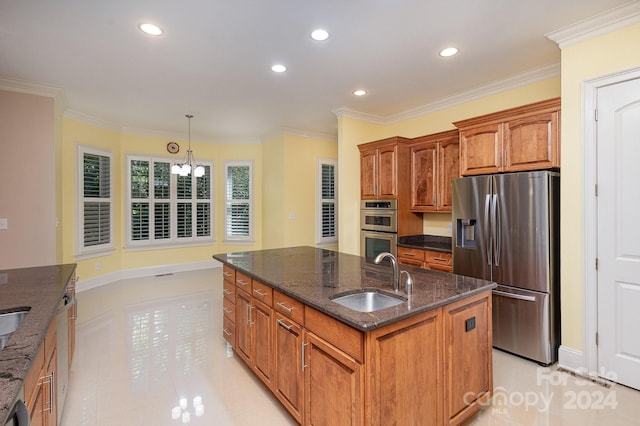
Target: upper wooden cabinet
pixel 434 163
pixel 382 164
pixel 523 138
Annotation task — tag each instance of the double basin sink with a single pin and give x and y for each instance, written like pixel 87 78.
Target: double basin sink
pixel 368 300
pixel 9 323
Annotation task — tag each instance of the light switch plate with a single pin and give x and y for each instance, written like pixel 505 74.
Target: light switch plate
pixel 4 278
pixel 4 223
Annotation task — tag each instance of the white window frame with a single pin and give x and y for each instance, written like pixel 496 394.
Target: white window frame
pixel 96 250
pixel 173 240
pixel 238 239
pixel 320 240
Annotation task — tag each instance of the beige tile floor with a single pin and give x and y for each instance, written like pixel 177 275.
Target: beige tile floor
pixel 143 345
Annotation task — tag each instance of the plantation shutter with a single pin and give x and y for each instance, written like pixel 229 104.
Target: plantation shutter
pixel 96 200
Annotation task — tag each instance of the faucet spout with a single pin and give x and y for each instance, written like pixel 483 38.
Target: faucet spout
pixel 394 264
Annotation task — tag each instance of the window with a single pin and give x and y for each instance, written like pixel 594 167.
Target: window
pixel 95 206
pixel 327 203
pixel 238 206
pixel 166 209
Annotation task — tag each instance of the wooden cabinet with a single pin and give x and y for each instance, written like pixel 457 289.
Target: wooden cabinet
pixel 288 380
pixel 427 259
pixel 39 384
pixel 383 164
pixel 468 359
pixel 523 138
pixel 243 325
pixel 405 371
pixel 262 333
pixel 72 315
pixel 229 305
pixel 434 163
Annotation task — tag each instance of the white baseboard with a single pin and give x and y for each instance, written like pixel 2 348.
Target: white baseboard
pixel 571 359
pixel 88 284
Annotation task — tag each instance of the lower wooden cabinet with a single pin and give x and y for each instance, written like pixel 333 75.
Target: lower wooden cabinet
pixel 427 259
pixel 430 369
pixel 40 385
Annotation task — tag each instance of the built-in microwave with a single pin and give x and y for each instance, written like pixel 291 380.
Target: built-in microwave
pixel 379 215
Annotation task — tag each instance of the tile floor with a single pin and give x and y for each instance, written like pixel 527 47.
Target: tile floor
pixel 145 344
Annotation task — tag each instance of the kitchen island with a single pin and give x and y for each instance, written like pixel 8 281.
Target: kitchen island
pixel 39 290
pixel 426 360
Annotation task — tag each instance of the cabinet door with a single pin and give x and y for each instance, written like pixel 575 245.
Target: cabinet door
pixel 243 325
pixel 404 379
pixel 468 377
pixel 333 385
pixel 368 173
pixel 531 143
pixel 387 173
pixel 50 401
pixel 262 342
pixel 448 169
pixel 288 380
pixel 481 150
pixel 423 177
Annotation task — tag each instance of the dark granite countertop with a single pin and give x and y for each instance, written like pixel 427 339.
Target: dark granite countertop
pixel 313 276
pixel 426 242
pixel 41 289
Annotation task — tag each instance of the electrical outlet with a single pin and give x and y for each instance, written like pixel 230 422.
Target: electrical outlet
pixel 449 227
pixel 98 266
pixel 4 278
pixel 4 223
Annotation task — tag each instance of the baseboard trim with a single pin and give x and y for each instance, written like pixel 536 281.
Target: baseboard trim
pixel 571 359
pixel 88 284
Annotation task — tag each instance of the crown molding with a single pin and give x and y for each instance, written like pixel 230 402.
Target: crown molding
pixel 614 19
pixel 20 86
pixel 512 82
pixel 94 121
pixel 320 136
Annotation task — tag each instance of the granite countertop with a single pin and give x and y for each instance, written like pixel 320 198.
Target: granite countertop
pixel 313 276
pixel 41 289
pixel 426 242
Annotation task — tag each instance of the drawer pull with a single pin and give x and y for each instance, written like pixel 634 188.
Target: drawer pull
pixel 259 293
pixel 441 259
pixel 227 311
pixel 283 306
pixel 409 254
pixel 227 274
pixel 225 291
pixel 242 283
pixel 284 324
pixel 226 332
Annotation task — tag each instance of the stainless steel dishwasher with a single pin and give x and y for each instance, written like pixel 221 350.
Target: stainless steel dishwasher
pixel 63 351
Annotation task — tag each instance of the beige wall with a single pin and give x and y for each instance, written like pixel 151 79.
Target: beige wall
pixel 27 180
pixel 354 132
pixel 596 57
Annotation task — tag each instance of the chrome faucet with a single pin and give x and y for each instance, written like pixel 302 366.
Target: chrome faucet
pixel 394 264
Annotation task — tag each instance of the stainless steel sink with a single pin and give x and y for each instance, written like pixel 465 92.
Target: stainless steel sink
pixel 367 301
pixel 9 322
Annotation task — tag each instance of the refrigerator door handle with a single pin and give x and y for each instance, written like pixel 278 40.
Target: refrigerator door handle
pixel 487 205
pixel 495 219
pixel 514 296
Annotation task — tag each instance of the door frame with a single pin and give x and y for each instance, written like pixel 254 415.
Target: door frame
pixel 589 213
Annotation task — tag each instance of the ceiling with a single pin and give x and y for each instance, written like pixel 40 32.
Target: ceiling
pixel 214 59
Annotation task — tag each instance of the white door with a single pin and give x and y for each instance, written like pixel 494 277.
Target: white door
pixel 618 153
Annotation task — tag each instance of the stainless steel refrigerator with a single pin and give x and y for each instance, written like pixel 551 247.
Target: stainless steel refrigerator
pixel 506 229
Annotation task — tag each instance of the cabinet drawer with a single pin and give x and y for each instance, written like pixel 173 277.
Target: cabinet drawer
pixel 32 380
pixel 229 291
pixel 229 331
pixel 229 309
pixel 243 282
pixel 411 253
pixel 229 273
pixel 288 307
pixel 262 292
pixel 343 337
pixel 438 257
pixel 410 262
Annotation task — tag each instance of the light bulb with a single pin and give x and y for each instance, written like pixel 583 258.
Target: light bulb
pixel 175 169
pixel 199 171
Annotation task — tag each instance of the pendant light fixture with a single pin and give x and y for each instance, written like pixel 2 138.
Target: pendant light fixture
pixel 189 163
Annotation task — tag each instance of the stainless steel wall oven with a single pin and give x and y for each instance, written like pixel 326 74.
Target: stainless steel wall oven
pixel 379 227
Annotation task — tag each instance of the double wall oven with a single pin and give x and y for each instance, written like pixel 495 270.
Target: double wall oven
pixel 379 227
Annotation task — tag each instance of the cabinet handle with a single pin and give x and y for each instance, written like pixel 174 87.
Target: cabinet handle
pixel 303 364
pixel 441 259
pixel 259 293
pixel 227 274
pixel 283 306
pixel 227 311
pixel 284 324
pixel 248 315
pixel 242 283
pixel 224 330
pixel 409 254
pixel 225 291
pixel 49 380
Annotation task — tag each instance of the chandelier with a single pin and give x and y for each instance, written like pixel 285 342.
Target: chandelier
pixel 189 162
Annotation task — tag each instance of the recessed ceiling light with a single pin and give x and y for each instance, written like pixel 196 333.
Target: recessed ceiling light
pixel 360 92
pixel 150 29
pixel 278 68
pixel 319 35
pixel 449 51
